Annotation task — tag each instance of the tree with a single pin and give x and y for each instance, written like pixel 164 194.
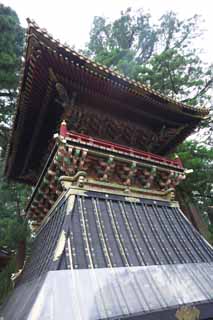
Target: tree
pixel 198 185
pixel 162 56
pixel 12 195
pixel 11 46
pixel 13 229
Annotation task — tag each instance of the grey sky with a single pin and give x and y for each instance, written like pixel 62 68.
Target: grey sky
pixel 71 21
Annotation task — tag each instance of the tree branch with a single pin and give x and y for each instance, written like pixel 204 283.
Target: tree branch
pixel 6 94
pixel 201 92
pixel 177 44
pixel 171 79
pixel 131 38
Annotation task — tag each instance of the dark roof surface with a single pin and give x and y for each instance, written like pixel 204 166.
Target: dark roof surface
pixel 109 231
pixel 5 256
pixel 136 115
pixel 4 253
pixel 117 256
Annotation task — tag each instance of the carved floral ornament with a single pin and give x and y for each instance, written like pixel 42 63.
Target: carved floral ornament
pixel 188 313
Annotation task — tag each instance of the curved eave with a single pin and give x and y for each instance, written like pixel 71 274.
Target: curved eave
pixel 38 39
pixel 45 39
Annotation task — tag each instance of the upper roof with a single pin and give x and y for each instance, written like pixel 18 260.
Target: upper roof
pixel 57 82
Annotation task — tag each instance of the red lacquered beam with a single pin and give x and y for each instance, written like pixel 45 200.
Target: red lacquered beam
pixel 117 147
pixel 63 129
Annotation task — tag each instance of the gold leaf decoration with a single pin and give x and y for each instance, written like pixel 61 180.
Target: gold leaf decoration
pixel 188 313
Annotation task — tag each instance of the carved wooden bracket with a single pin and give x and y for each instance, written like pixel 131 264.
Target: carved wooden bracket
pixel 78 180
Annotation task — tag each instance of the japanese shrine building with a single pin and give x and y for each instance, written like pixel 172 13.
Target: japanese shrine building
pixel 111 240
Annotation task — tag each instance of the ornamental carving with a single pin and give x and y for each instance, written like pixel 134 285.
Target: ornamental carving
pixel 102 125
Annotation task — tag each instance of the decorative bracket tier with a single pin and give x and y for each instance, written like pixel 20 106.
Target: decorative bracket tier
pixel 98 165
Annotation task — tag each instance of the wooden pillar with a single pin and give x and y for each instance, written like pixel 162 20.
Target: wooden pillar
pixel 191 212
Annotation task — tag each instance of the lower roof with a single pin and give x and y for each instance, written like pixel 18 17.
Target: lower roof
pixel 102 256
pixel 145 293
pixel 4 253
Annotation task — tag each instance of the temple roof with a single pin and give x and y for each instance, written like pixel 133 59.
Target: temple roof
pixel 103 256
pixel 5 256
pixel 4 253
pixel 58 82
pixel 105 230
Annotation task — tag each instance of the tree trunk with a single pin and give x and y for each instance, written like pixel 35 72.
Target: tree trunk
pixel 191 212
pixel 20 256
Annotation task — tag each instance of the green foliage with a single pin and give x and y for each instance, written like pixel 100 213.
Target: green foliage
pixel 199 184
pixel 11 46
pixel 12 201
pixel 162 55
pixel 5 279
pixel 12 196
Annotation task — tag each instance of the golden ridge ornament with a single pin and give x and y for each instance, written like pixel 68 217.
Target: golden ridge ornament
pixel 187 313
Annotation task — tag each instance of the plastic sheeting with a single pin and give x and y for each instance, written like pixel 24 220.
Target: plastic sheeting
pixel 90 294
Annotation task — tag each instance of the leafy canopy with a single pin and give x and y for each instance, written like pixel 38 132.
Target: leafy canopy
pixel 199 185
pixel 11 46
pixel 12 196
pixel 161 55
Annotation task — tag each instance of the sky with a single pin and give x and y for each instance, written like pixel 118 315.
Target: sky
pixel 70 21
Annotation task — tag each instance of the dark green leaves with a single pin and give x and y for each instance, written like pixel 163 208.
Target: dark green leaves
pixel 162 55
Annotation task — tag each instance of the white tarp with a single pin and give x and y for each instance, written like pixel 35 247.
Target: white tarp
pixel 90 294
